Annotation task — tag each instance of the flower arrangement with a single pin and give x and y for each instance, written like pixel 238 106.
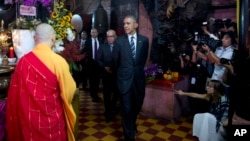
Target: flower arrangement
pixel 34 2
pixel 60 20
pixel 152 71
pixel 71 54
pixel 65 45
pixel 24 23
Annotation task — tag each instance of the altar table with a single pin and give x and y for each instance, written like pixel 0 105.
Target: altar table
pixel 161 102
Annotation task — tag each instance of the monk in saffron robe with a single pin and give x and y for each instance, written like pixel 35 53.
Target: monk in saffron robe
pixel 40 94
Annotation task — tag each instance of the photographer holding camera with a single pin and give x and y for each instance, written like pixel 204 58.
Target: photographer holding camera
pixel 225 51
pixel 200 56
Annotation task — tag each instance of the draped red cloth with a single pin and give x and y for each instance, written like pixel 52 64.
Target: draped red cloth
pixel 2 119
pixel 34 107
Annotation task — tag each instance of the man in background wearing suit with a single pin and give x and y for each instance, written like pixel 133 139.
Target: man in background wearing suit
pixel 83 75
pixel 129 56
pixel 110 93
pixel 91 65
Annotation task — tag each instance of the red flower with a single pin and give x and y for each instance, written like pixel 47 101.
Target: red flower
pixel 71 51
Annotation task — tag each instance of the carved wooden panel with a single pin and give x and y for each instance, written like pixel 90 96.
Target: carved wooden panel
pixel 119 9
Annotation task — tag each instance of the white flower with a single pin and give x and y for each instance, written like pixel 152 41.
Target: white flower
pixel 70 34
pixel 58 46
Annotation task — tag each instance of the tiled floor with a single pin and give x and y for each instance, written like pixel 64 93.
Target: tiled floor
pixel 92 125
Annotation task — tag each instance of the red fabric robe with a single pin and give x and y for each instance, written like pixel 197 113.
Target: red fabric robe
pixel 34 106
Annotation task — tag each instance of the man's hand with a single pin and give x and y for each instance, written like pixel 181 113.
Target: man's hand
pixel 229 67
pixel 108 69
pixel 195 47
pixel 206 48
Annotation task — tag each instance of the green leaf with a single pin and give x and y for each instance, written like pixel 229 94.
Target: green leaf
pixel 75 67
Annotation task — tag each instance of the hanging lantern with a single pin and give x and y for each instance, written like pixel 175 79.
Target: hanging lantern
pixel 100 19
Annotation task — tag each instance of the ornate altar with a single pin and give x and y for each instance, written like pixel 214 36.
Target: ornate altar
pixel 161 102
pixel 5 76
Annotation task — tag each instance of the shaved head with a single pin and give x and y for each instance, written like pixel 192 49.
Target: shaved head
pixel 45 34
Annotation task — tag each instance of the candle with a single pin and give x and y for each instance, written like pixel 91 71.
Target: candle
pixel 11 52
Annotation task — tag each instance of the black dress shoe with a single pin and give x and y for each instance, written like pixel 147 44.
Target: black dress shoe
pixel 135 129
pixel 108 118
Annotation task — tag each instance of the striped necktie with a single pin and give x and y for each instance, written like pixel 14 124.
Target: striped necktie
pixel 132 45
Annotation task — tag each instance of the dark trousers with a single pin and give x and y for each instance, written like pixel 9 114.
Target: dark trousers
pixel 110 94
pixel 93 75
pixel 131 103
pixel 77 75
pixel 84 73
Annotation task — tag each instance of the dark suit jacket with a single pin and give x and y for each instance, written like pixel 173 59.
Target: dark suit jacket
pixel 90 63
pixel 130 71
pixel 104 57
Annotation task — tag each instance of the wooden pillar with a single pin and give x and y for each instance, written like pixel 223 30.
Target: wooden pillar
pixel 120 9
pixel 243 24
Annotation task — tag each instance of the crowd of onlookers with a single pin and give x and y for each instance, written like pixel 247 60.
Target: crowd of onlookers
pixel 217 67
pixel 216 57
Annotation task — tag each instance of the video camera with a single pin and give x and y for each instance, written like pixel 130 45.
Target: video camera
pixel 221 23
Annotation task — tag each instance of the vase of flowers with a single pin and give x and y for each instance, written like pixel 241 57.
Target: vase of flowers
pixel 60 20
pixel 32 2
pixel 23 41
pixel 151 72
pixel 71 54
pixel 66 45
pixel 23 35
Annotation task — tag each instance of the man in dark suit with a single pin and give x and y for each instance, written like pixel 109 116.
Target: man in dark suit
pixel 110 92
pixel 129 58
pixel 91 65
pixel 83 74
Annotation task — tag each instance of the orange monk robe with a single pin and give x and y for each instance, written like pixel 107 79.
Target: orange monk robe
pixel 66 82
pixel 27 96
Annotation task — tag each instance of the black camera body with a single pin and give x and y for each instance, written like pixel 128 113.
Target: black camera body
pixel 183 55
pixel 225 61
pixel 200 43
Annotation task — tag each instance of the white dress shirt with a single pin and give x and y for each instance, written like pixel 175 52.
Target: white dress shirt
pixel 93 46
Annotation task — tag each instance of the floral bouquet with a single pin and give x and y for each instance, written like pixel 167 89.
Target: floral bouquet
pixel 152 71
pixel 71 54
pixel 24 23
pixel 65 45
pixel 60 20
pixel 32 2
pixel 35 2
